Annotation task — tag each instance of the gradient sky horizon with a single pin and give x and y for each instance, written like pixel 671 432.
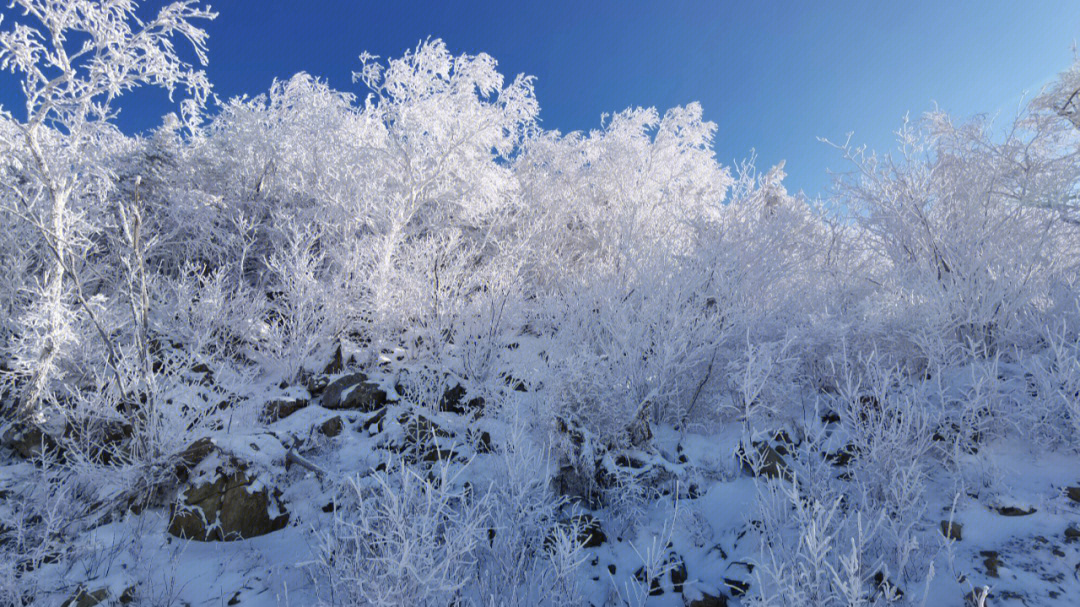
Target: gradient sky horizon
pixel 774 76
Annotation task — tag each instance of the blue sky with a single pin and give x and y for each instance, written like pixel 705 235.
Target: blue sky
pixel 774 76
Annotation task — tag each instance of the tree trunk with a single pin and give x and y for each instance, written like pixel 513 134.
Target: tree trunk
pixel 54 301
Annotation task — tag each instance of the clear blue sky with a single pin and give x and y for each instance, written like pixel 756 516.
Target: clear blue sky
pixel 773 75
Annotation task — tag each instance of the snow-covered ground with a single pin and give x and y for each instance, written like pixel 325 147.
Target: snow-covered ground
pixel 686 523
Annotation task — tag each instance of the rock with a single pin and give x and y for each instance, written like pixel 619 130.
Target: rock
pixel 590 534
pixel 231 506
pixel 677 567
pixel 282 408
pixel 952 531
pixel 204 370
pixel 316 384
pixel 419 429
pixel 843 456
pixel 655 589
pixel 950 432
pixel 1073 493
pixel 375 421
pixel 1072 534
pixel 978 597
pixel 887 588
pixel 439 455
pixel 587 528
pixel 737 587
pixel 354 392
pixel 332 427
pixel 1014 511
pixel 572 483
pixel 192 456
pixel 767 462
pixel 482 442
pixel 336 364
pixel 453 401
pixel 709 600
pixel 640 431
pixel 991 561
pixel 84 598
pixel 114 439
pixel 28 440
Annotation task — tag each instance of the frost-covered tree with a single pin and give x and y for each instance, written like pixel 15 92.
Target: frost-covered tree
pixel 446 127
pixel 74 58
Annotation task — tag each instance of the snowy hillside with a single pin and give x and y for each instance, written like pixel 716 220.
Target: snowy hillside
pixel 404 346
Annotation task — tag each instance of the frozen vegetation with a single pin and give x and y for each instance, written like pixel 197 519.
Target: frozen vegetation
pixel 404 346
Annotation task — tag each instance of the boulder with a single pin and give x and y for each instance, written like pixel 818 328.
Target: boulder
pixel 221 499
pixel 437 455
pixel 374 423
pixel 354 392
pixel 228 506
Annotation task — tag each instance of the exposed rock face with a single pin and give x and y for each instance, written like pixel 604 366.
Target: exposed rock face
pixel 231 507
pixel 354 392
